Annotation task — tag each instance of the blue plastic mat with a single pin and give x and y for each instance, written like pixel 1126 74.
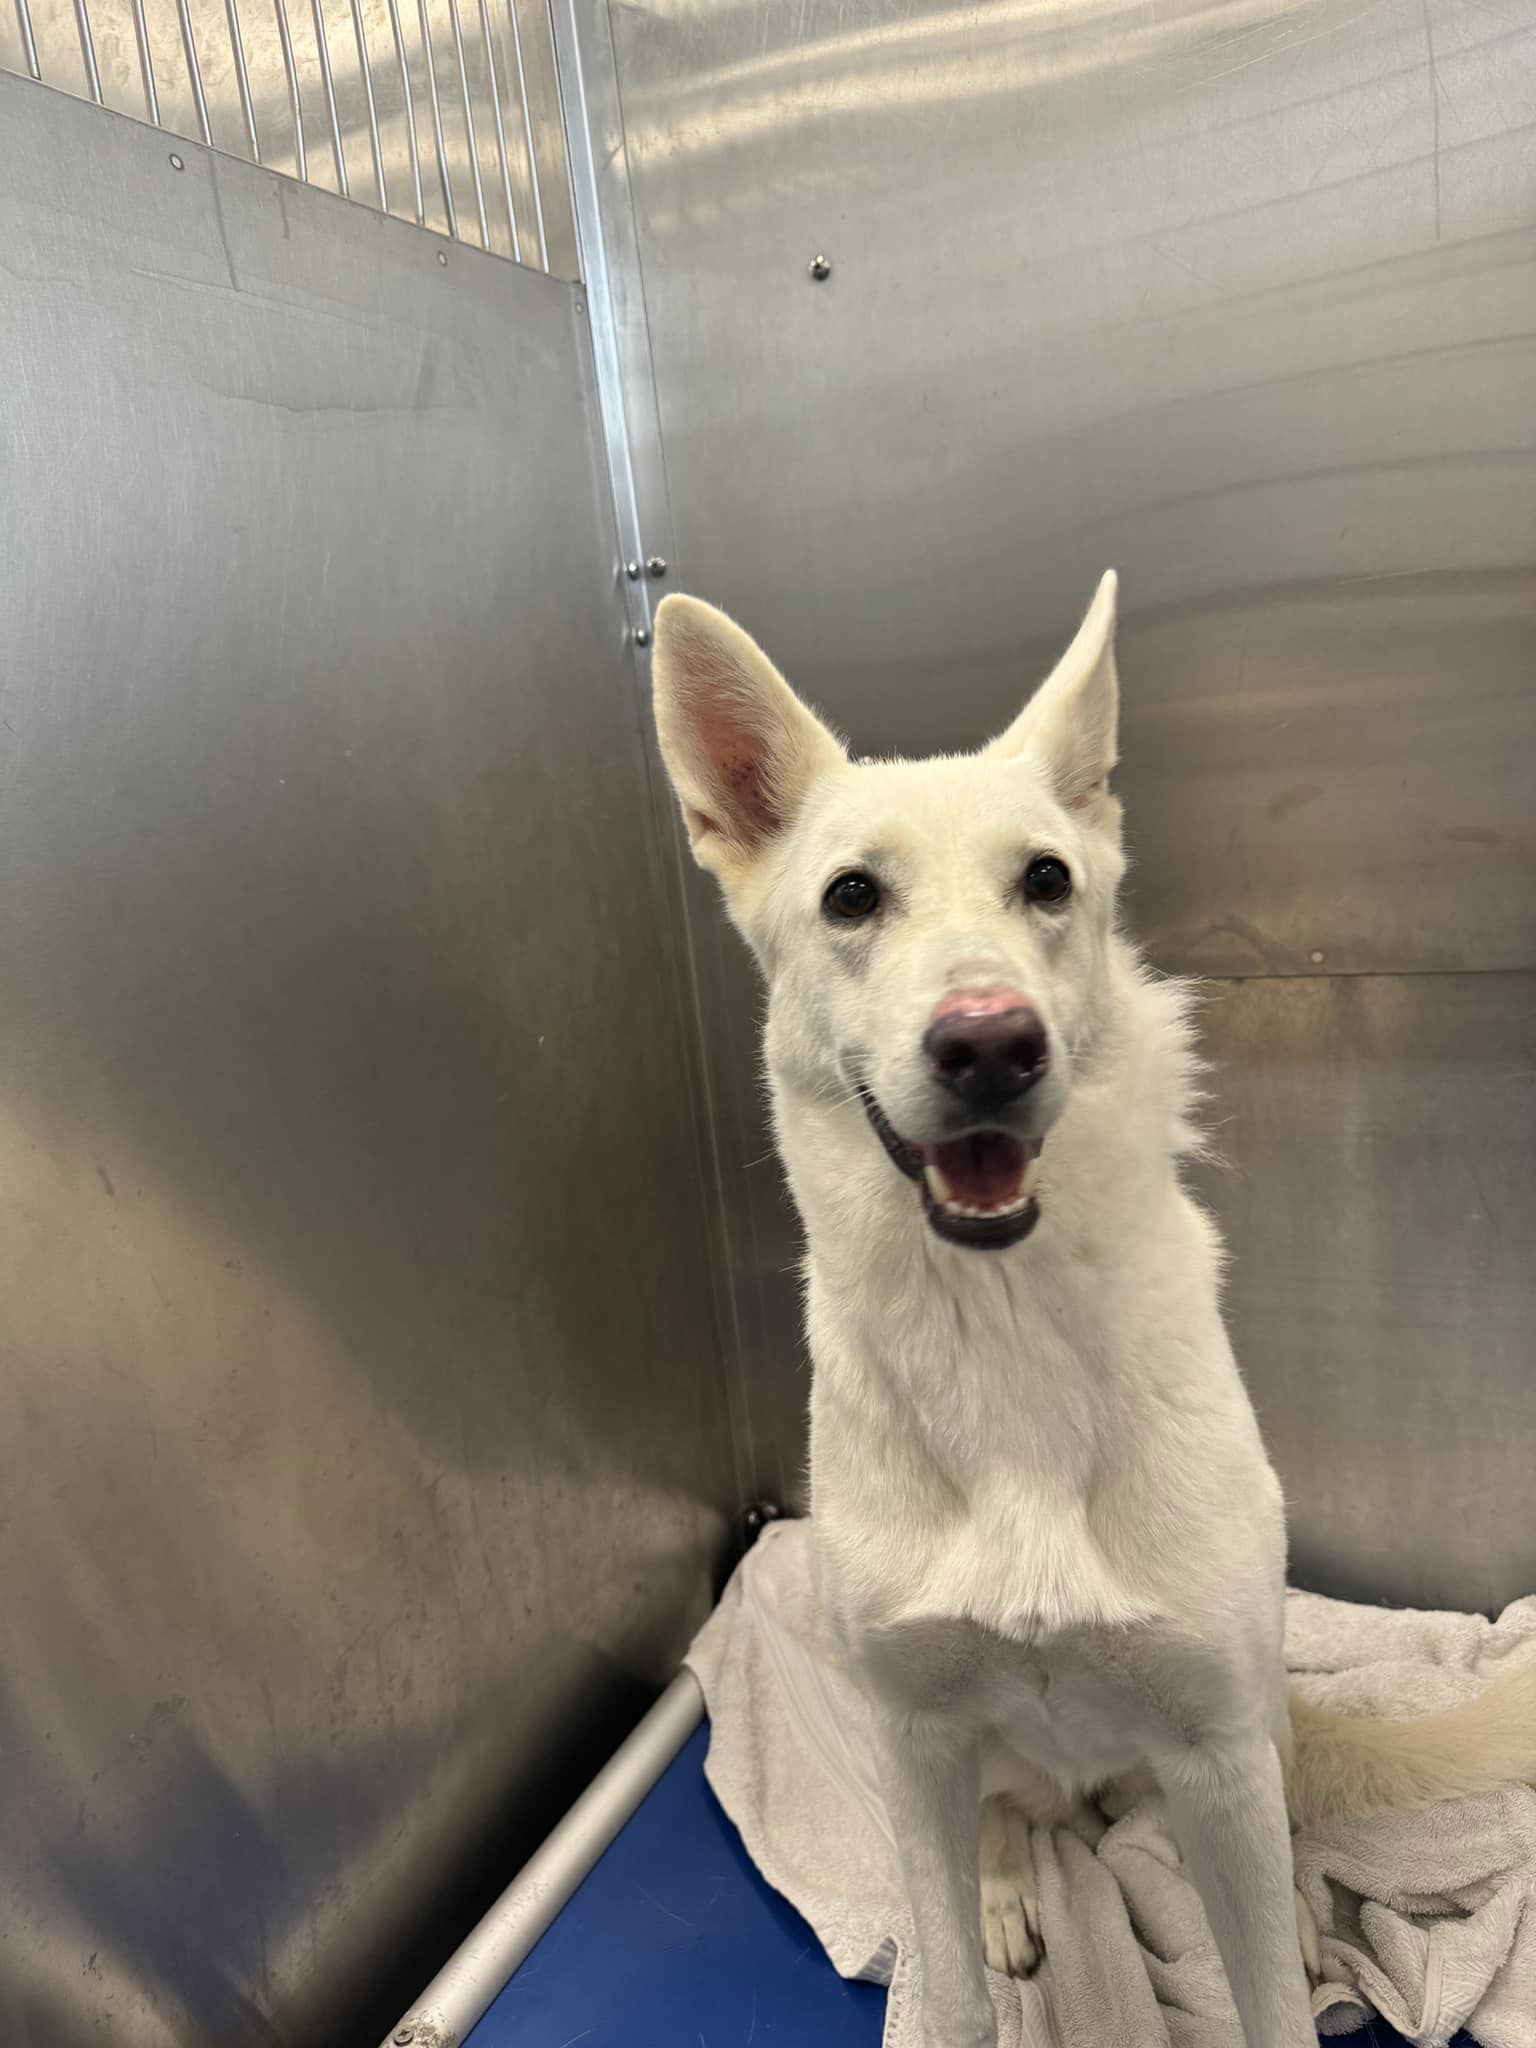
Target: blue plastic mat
pixel 674 1941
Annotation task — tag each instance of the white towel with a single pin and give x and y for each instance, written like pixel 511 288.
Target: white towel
pixel 1427 1918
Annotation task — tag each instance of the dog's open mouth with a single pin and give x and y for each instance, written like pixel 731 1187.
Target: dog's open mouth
pixel 978 1190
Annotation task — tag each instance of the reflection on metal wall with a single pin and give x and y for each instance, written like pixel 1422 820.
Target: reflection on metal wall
pixel 1239 297
pixel 1377 1186
pixel 445 112
pixel 363 1456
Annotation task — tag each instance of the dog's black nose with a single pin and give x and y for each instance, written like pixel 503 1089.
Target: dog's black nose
pixel 988 1055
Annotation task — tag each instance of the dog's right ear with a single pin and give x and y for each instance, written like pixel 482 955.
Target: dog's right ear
pixel 740 747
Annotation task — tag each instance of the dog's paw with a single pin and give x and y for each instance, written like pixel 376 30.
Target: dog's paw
pixel 1010 1900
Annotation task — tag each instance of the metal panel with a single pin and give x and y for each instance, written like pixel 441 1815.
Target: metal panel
pixel 443 112
pixel 364 1460
pixel 1240 298
pixel 637 477
pixel 1376 1185
pixel 1333 777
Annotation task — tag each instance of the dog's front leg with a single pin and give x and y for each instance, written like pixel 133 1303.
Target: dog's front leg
pixel 1227 1806
pixel 932 1788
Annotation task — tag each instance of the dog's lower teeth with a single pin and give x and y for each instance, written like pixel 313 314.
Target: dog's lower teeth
pixel 953 1208
pixel 942 1194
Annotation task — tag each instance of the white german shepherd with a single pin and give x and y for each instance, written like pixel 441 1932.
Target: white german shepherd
pixel 1046 1525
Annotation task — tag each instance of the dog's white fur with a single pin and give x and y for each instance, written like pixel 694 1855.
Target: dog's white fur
pixel 1045 1521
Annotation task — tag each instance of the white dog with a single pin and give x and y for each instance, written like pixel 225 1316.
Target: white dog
pixel 1045 1521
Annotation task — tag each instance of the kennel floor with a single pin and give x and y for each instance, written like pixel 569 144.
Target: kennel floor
pixel 674 1941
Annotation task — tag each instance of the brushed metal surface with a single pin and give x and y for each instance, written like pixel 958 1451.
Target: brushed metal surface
pixel 1376 1185
pixel 615 307
pixel 444 112
pixel 364 1458
pixel 1240 298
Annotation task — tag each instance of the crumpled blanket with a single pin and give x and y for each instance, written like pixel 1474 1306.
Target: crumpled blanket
pixel 1426 1918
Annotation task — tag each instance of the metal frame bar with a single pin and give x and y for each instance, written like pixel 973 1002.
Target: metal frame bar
pixel 579 69
pixel 437 121
pixel 533 158
pixel 328 82
pixel 194 71
pixel 410 111
pixel 470 1981
pixel 291 73
pixel 88 52
pixel 28 40
pixel 365 69
pixel 242 79
pixel 501 132
pixel 469 123
pixel 506 62
pixel 146 62
pixel 608 247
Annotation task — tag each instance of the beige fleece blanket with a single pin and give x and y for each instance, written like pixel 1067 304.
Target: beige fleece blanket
pixel 1428 1919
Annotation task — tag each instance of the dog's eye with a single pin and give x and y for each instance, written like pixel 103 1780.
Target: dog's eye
pixel 1047 880
pixel 851 896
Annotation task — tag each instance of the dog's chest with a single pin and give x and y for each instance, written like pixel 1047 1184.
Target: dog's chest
pixel 996 1486
pixel 1019 1458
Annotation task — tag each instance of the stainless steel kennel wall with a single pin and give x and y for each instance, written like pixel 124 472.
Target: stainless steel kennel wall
pixel 318 992
pixel 444 112
pixel 1238 295
pixel 364 1456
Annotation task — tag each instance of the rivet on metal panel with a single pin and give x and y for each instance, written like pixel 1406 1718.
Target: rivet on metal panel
pixel 1318 956
pixel 821 268
pixel 757 1518
pixel 642 637
pixel 176 162
pixel 442 257
pixel 581 305
pixel 632 571
pixel 656 566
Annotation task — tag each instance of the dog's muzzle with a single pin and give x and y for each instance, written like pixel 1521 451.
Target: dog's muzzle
pixel 977 1190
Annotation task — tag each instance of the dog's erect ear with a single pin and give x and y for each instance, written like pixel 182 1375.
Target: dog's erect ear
pixel 740 747
pixel 1070 724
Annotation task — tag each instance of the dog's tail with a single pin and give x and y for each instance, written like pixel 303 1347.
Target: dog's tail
pixel 1345 1766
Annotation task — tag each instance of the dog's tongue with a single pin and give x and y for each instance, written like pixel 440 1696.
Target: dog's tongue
pixel 984 1171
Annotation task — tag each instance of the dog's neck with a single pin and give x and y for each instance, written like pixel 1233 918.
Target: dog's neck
pixel 1040 1396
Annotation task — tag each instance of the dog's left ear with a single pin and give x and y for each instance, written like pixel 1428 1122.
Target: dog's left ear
pixel 740 747
pixel 1070 724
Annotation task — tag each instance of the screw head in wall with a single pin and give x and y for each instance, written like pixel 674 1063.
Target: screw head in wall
pixel 632 571
pixel 820 268
pixel 656 566
pixel 176 162
pixel 642 637
pixel 402 2037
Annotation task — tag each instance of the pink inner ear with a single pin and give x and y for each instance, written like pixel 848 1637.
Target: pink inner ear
pixel 740 767
pixel 736 757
